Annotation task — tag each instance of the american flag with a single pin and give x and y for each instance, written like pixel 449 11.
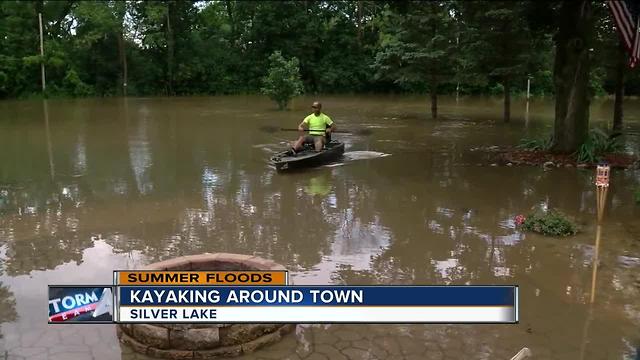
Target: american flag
pixel 626 15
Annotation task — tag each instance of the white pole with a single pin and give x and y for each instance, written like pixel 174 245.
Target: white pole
pixel 528 87
pixel 458 83
pixel 44 86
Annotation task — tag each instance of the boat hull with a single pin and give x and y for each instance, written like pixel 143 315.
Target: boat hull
pixel 285 161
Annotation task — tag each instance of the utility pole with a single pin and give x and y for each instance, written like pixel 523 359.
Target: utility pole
pixel 528 87
pixel 44 85
pixel 458 83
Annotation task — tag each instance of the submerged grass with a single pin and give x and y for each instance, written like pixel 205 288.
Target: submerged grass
pixel 535 144
pixel 552 223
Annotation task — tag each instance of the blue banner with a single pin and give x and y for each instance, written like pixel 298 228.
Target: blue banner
pixel 317 295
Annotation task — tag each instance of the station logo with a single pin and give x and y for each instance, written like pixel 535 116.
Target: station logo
pixel 80 304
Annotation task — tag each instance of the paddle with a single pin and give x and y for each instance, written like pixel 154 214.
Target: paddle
pixel 356 132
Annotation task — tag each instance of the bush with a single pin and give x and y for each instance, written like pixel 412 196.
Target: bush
pixel 598 144
pixel 282 82
pixel 551 223
pixel 74 86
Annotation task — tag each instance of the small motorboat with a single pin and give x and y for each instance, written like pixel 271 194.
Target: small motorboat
pixel 307 157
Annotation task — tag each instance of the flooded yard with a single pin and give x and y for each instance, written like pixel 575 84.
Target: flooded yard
pixel 89 186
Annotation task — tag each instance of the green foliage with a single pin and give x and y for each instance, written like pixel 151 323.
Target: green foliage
pixel 596 81
pixel 74 86
pixel 542 82
pixel 417 46
pixel 222 47
pixel 535 144
pixel 496 42
pixel 637 195
pixel 598 143
pixel 551 223
pixel 282 81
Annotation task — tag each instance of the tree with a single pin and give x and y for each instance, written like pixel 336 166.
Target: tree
pixel 282 81
pixel 621 57
pixel 571 75
pixel 100 37
pixel 497 43
pixel 165 31
pixel 418 46
pixel 609 60
pixel 170 47
pixel 19 40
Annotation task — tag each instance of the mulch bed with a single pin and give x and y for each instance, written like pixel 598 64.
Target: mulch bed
pixel 514 156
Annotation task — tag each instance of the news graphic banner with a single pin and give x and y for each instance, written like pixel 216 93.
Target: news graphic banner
pixel 192 278
pixel 267 297
pixel 95 303
pixel 318 304
pixel 78 304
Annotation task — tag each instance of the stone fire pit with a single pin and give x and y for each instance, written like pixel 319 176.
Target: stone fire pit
pixel 204 341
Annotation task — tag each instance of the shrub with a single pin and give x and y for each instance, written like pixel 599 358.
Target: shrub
pixel 551 223
pixel 282 82
pixel 74 86
pixel 598 144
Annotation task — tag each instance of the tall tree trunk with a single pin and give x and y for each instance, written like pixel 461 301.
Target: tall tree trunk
pixel 619 95
pixel 359 10
pixel 170 50
pixel 123 61
pixel 571 76
pixel 434 98
pixel 120 10
pixel 507 100
pixel 231 21
pixel 434 80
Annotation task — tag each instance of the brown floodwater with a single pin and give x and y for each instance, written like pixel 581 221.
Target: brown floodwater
pixel 89 186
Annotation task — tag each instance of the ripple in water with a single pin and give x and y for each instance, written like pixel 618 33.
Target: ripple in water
pixel 363 155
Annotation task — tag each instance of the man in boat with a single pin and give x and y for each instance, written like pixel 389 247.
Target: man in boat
pixel 319 126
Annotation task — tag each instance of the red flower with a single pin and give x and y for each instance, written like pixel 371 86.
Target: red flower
pixel 520 219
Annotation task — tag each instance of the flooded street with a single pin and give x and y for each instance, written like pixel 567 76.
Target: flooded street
pixel 104 184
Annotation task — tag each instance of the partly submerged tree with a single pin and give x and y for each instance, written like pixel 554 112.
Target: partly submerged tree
pixel 417 45
pixel 497 44
pixel 609 61
pixel 571 75
pixel 282 82
pixel 100 30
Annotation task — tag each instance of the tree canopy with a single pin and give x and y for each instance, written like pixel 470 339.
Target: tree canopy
pixel 173 47
pixel 170 47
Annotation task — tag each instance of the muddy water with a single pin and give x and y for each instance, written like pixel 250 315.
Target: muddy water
pixel 97 185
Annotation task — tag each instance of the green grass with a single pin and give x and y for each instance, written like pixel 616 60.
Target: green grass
pixel 552 223
pixel 535 144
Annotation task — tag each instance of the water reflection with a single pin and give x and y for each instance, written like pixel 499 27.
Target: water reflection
pixel 7 300
pixel 45 107
pixel 142 180
pixel 140 153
